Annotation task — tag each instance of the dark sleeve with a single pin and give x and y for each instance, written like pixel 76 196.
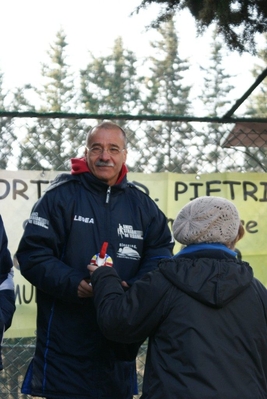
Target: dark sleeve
pixel 7 309
pixel 5 258
pixel 261 291
pixel 7 296
pixel 7 306
pixel 41 247
pixel 133 315
pixel 158 240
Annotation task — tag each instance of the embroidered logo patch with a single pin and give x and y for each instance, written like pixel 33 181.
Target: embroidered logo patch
pixel 127 231
pixel 128 252
pixel 38 221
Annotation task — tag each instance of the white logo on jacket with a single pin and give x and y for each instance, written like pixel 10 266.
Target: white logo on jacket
pixel 83 219
pixel 128 252
pixel 38 221
pixel 127 231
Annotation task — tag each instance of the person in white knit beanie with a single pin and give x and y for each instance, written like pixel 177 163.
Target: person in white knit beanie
pixel 204 312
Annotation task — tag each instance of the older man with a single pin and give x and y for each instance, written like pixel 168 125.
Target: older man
pixel 92 208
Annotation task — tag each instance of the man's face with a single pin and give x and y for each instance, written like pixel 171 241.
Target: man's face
pixel 105 154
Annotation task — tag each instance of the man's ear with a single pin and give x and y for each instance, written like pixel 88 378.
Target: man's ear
pixel 125 156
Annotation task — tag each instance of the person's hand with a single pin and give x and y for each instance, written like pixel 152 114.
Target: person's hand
pixel 92 268
pixel 85 290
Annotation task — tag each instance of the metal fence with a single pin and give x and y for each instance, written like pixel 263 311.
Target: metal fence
pixel 17 354
pixel 175 144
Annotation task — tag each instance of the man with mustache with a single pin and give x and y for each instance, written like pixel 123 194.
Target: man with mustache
pixel 95 214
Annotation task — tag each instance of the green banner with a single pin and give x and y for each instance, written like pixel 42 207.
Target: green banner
pixel 19 190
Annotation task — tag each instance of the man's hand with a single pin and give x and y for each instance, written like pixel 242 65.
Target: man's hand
pixel 85 290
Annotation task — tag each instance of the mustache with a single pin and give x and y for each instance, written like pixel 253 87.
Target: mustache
pixel 103 163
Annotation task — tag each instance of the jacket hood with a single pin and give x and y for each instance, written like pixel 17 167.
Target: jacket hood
pixel 212 281
pixel 79 165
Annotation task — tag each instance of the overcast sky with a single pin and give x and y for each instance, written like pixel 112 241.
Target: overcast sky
pixel 28 27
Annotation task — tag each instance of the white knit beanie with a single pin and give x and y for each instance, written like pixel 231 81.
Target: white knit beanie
pixel 207 219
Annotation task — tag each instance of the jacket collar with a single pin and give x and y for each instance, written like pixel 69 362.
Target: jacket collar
pixel 190 249
pixel 79 165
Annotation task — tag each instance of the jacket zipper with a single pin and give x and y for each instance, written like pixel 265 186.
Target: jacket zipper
pixel 108 214
pixel 108 195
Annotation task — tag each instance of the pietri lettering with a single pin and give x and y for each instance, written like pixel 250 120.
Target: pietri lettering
pixel 249 190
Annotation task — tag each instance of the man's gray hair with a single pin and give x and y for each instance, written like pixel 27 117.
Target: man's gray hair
pixel 106 125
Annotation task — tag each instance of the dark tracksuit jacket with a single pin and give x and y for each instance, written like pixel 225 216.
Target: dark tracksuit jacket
pixel 67 227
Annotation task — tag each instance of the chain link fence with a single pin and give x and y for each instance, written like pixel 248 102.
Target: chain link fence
pixel 173 144
pixel 17 353
pixel 179 145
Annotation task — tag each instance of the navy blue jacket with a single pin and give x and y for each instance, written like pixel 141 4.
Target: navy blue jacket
pixel 5 258
pixel 66 228
pixel 7 295
pixel 206 319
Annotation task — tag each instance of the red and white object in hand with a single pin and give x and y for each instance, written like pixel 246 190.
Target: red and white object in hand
pixel 102 258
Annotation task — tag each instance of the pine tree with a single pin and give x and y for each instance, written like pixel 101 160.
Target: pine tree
pixel 167 94
pixel 111 84
pixel 50 143
pixel 256 157
pixel 212 157
pixel 6 131
pixel 239 21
